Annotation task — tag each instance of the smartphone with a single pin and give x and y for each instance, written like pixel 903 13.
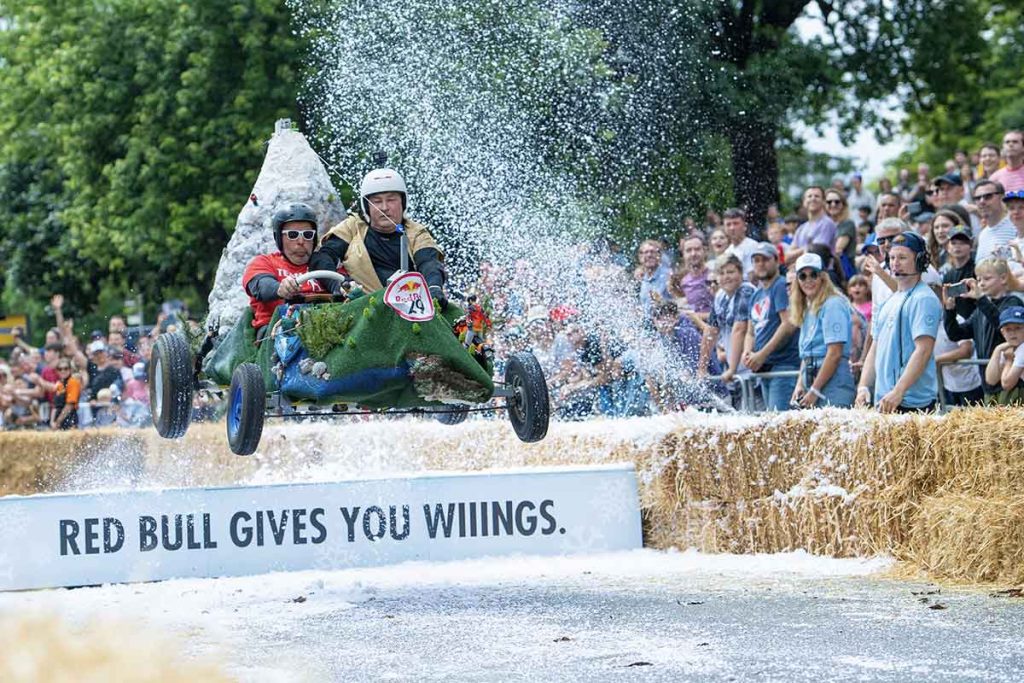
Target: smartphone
pixel 914 208
pixel 959 289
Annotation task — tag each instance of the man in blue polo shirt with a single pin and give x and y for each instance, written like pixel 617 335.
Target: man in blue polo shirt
pixel 771 344
pixel 900 367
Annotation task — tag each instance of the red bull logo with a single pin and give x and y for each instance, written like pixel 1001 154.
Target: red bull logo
pixel 408 297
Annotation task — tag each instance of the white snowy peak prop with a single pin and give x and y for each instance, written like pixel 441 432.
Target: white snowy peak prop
pixel 291 172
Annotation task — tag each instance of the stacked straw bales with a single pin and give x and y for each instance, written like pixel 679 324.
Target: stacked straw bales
pixel 41 649
pixel 943 493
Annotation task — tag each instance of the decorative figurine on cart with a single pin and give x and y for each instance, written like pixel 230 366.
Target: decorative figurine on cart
pixel 477 325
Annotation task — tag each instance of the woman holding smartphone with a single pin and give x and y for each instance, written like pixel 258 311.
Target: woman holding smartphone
pixel 825 320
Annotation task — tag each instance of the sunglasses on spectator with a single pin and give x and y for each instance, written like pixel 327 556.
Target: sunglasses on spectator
pixel 931 193
pixel 294 234
pixel 886 240
pixel 63 367
pixel 837 202
pixel 807 275
pixel 983 197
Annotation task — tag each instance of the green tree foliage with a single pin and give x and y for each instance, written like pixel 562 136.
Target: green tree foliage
pixel 129 132
pixel 968 92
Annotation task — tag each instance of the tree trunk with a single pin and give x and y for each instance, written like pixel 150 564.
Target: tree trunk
pixel 755 172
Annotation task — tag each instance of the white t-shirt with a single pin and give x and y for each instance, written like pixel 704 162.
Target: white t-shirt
pixel 994 237
pixel 745 253
pixel 958 378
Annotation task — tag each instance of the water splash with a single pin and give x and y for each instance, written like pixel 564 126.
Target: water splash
pixel 512 122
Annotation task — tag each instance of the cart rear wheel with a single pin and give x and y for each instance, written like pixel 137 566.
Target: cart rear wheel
pixel 529 407
pixel 170 385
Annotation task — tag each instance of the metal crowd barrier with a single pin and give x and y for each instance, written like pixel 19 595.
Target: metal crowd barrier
pixel 748 385
pixel 748 382
pixel 938 376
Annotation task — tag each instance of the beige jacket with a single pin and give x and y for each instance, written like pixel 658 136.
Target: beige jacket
pixel 357 260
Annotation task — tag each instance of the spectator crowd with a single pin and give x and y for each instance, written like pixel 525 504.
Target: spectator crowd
pixel 70 384
pixel 904 298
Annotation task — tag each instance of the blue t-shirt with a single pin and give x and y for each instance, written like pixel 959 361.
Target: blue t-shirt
pixel 904 317
pixel 830 325
pixel 657 283
pixel 727 310
pixel 767 306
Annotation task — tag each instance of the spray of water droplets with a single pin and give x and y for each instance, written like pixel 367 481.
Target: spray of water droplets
pixel 502 116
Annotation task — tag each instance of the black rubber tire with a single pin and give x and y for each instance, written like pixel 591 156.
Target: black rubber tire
pixel 247 404
pixel 452 416
pixel 529 407
pixel 170 385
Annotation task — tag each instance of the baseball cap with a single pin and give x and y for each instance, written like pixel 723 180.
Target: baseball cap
pixel 139 370
pixel 1013 194
pixel 808 261
pixel 96 334
pixel 115 352
pixel 792 218
pixel 924 217
pixel 766 249
pixel 952 178
pixel 1014 315
pixel 96 346
pixel 536 314
pixel 961 231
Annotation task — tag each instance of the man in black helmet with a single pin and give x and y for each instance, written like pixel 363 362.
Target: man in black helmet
pixel 270 278
pixel 368 245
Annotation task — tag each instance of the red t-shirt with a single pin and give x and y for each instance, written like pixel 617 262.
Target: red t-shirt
pixel 279 267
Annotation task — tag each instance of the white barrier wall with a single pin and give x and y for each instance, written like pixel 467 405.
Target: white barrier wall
pixel 86 539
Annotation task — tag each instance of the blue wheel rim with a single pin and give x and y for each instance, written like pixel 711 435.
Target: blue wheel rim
pixel 235 412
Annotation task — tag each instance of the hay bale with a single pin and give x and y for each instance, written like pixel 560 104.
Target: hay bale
pixel 36 462
pixel 42 649
pixel 971 538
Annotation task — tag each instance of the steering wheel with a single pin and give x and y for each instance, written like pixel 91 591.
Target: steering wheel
pixel 319 297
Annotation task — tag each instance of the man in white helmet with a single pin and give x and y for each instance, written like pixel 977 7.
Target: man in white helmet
pixel 369 244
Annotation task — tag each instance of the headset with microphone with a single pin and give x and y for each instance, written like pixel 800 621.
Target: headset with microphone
pixel 913 241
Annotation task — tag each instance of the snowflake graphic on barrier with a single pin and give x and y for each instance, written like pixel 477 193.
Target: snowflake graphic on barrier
pixel 618 498
pixel 582 541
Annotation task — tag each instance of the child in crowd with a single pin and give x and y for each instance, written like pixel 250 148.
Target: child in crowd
pixel 1006 365
pixel 859 291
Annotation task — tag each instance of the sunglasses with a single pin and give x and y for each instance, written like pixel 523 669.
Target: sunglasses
pixel 294 234
pixel 834 202
pixel 63 367
pixel 986 196
pixel 807 275
pixel 932 193
pixel 886 240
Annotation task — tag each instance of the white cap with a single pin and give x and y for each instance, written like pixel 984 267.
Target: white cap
pixel 98 345
pixel 537 314
pixel 808 261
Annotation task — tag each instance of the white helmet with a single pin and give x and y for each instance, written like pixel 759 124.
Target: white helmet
pixel 381 180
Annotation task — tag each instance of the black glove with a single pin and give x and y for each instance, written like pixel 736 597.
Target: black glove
pixel 437 293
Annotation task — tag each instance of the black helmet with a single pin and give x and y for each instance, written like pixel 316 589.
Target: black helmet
pixel 295 211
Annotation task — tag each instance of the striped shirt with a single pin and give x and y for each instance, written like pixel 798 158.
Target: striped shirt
pixel 994 237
